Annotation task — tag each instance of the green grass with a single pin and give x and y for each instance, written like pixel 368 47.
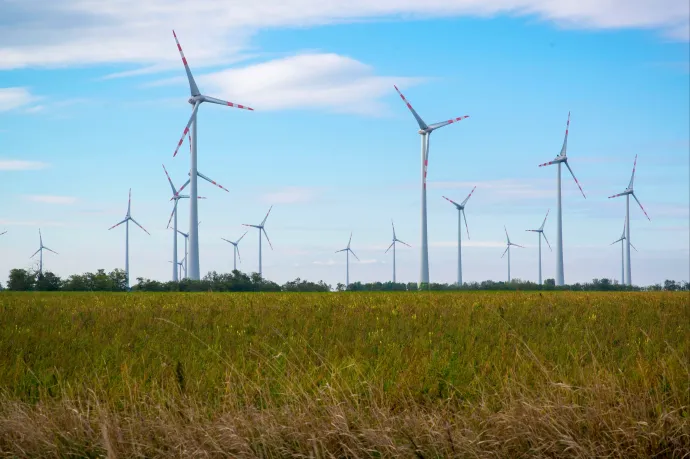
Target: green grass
pixel 449 353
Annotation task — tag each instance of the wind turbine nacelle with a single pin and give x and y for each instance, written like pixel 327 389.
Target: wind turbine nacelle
pixel 194 99
pixel 424 131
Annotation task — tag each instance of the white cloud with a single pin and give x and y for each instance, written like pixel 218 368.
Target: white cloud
pixel 13 98
pixel 330 81
pixel 20 165
pixel 77 32
pixel 289 195
pixel 49 199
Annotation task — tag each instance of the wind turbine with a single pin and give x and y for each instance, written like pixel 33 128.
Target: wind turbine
pixel 127 219
pixel 627 193
pixel 186 238
pixel 261 229
pixel 348 251
pixel 461 214
pixel 425 131
pixel 395 239
pixel 195 100
pixel 621 240
pixel 541 234
pixel 179 264
pixel 562 158
pixel 236 249
pixel 4 232
pixel 508 244
pixel 40 250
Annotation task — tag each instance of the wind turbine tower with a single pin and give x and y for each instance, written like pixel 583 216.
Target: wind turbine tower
pixel 40 250
pixel 425 131
pixel 347 251
pixel 622 240
pixel 508 244
pixel 461 214
pixel 562 158
pixel 629 191
pixel 195 100
pixel 261 229
pixel 236 250
pixel 395 239
pixel 540 231
pixel 126 221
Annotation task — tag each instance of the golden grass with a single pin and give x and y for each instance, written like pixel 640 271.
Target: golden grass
pixel 345 375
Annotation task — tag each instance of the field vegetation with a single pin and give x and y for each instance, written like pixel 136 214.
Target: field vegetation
pixel 439 374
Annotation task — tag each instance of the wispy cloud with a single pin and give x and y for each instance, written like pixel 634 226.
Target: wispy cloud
pixel 15 98
pixel 21 165
pixel 308 81
pixel 50 199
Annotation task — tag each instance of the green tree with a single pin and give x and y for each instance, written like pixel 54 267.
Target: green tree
pixel 21 280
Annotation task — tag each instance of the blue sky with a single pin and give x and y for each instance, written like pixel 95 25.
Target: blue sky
pixel 93 101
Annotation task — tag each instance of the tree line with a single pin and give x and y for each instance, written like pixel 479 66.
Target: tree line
pixel 236 281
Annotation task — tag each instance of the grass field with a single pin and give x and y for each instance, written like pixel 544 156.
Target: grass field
pixel 345 375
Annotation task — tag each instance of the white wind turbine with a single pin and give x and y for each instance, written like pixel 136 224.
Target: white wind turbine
pixel 461 214
pixel 261 229
pixel 348 251
pixel 195 100
pixel 236 249
pixel 40 250
pixel 126 220
pixel 562 158
pixel 540 231
pixel 179 264
pixel 627 193
pixel 622 241
pixel 508 244
pixel 395 239
pixel 425 131
pixel 186 238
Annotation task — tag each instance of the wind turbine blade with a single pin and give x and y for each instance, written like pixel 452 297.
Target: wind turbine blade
pixel 507 237
pixel 186 129
pixel 193 89
pixel 619 194
pixel 565 140
pixel 213 100
pixel 389 247
pixel 575 178
pixel 468 197
pixel 435 126
pixel 114 226
pixel 266 217
pixel 348 242
pixel 403 243
pixel 451 201
pixel 393 225
pixel 211 181
pixel 420 121
pixel 266 234
pixel 35 253
pixel 40 237
pixel 633 247
pixel 549 163
pixel 184 234
pixel 544 222
pixel 228 241
pixel 238 241
pixel 51 250
pixel 251 226
pixel 547 241
pixel 618 240
pixel 136 223
pixel 169 180
pixel 353 254
pixel 466 227
pixel 172 213
pixel 182 188
pixel 640 204
pixel 129 202
pixel 4 232
pixel 505 251
pixel 341 250
pixel 632 177
pixel 516 245
pixel 237 247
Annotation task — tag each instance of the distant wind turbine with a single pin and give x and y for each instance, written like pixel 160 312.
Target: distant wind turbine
pixel 395 239
pixel 261 229
pixel 540 231
pixel 627 193
pixel 195 100
pixel 186 238
pixel 622 240
pixel 348 251
pixel 461 214
pixel 562 158
pixel 126 220
pixel 508 244
pixel 236 250
pixel 40 250
pixel 4 232
pixel 425 131
pixel 179 265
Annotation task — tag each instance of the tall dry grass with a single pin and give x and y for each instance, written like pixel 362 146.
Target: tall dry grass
pixel 353 375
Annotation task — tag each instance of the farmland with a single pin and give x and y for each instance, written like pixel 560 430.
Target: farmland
pixel 556 374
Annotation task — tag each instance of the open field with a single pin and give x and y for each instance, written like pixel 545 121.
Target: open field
pixel 345 375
